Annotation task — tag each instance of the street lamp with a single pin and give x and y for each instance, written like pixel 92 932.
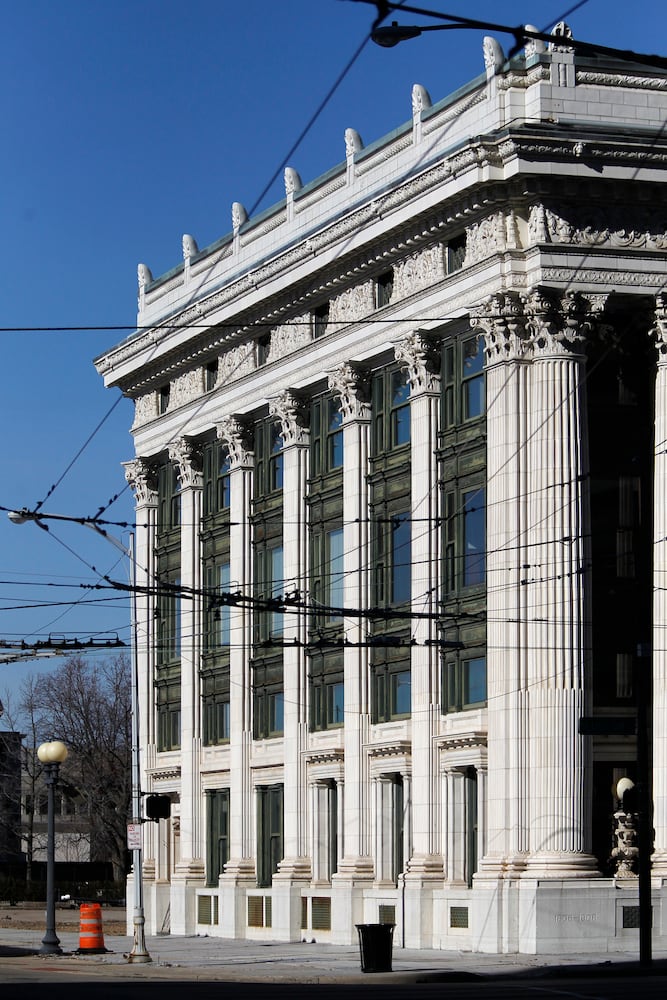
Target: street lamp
pixel 139 953
pixel 51 755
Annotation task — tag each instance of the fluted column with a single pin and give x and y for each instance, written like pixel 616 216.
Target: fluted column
pixel 557 586
pixel 142 479
pixel 187 459
pixel 236 434
pixel 506 835
pixel 292 414
pixel 419 355
pixel 352 388
pixel 659 331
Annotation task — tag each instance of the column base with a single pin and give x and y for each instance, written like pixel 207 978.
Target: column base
pixel 562 865
pixel 188 876
pixel 354 869
pixel 422 868
pixel 293 870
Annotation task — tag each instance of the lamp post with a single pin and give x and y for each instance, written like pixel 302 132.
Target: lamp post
pixel 51 755
pixel 139 953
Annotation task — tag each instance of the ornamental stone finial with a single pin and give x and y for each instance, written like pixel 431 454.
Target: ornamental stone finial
pixel 144 276
pixel 352 386
pixel 561 32
pixel 534 46
pixel 236 433
pixel 239 215
pixel 292 180
pixel 494 57
pixel 421 99
pixel 141 477
pixel 292 413
pixel 353 142
pixel 419 355
pixel 190 247
pixel 187 458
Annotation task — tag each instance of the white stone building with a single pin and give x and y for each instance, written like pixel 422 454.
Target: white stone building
pixel 395 476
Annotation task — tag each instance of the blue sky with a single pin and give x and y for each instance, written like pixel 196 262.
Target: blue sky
pixel 126 125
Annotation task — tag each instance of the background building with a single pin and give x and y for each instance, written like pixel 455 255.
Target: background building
pixel 397 445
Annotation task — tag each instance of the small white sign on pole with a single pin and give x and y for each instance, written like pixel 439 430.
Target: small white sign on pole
pixel 134 836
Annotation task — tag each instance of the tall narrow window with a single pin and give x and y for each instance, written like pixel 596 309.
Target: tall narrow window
pixel 474 538
pixel 217 834
pixel 472 378
pixel 269 832
pixel 401 561
pixel 400 409
pixel 320 316
pixel 276 459
pixel 384 289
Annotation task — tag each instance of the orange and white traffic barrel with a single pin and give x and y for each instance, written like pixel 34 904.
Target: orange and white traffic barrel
pixel 91 935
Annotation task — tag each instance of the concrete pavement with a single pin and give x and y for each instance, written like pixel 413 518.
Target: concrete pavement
pixel 211 958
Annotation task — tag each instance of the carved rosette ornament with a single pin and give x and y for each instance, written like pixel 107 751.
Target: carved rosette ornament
pixel 502 322
pixel 187 458
pixel 419 355
pixel 142 479
pixel 292 413
pixel 659 331
pixel 352 386
pixel 236 434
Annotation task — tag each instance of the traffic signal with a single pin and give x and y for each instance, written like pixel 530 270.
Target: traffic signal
pixel 158 807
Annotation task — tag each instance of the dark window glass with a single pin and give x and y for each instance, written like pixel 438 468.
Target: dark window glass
pixel 217 834
pixel 456 253
pixel 401 564
pixel 472 378
pixel 276 459
pixel 464 683
pixel 400 409
pixel 334 436
pixel 384 289
pixel 269 832
pixel 320 319
pixel 163 398
pixel 474 538
pixel 211 375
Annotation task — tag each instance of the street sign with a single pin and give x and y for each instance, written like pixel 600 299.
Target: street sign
pixel 134 836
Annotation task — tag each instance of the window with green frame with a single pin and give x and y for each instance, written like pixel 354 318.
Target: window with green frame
pixel 268 458
pixel 168 714
pixel 268 698
pixel 327 576
pixel 463 380
pixel 392 689
pixel 215 705
pixel 218 616
pixel 270 835
pixel 465 538
pixel 326 436
pixel 168 620
pixel 270 584
pixel 463 682
pixel 217 833
pixel 326 690
pixel 391 410
pixel 392 559
pixel 169 498
pixel 216 469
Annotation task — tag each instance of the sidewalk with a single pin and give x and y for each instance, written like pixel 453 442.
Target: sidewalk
pixel 210 958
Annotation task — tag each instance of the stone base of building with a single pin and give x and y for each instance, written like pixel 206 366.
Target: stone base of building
pixel 504 916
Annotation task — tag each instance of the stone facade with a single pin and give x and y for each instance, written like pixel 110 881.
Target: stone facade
pixel 397 535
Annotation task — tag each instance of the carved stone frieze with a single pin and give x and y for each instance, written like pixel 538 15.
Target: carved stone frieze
pixel 289 337
pixel 502 322
pixel 487 237
pixel 352 304
pixel 613 80
pixel 145 409
pixel 187 458
pixel 420 270
pixel 613 226
pixel 292 412
pixel 419 355
pixel 186 387
pixel 236 362
pixel 236 433
pixel 588 276
pixel 142 479
pixel 352 385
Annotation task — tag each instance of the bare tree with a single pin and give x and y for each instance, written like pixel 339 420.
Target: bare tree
pixel 86 704
pixel 21 716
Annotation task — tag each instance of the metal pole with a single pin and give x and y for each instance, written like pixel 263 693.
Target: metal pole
pixel 51 941
pixel 139 952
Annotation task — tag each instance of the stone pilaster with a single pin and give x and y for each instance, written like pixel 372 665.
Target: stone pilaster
pixel 190 869
pixel 352 387
pixel 501 321
pixel 293 417
pixel 236 434
pixel 142 479
pixel 419 355
pixel 557 587
pixel 659 332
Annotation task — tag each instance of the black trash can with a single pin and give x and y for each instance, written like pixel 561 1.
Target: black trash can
pixel 375 945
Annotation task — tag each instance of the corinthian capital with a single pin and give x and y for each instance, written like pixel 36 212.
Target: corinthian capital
pixel 352 386
pixel 560 324
pixel 142 478
pixel 659 330
pixel 292 413
pixel 419 355
pixel 188 461
pixel 502 323
pixel 236 434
